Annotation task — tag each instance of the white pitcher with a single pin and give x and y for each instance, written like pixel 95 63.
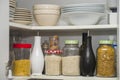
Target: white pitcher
pixel 37 58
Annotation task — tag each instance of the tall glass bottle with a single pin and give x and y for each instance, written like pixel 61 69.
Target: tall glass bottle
pixel 84 39
pixel 87 60
pixel 37 58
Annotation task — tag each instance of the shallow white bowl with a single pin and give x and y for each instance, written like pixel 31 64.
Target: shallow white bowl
pixel 46 11
pixel 47 19
pixel 82 18
pixel 46 6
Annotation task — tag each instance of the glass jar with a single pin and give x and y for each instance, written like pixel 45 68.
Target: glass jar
pixel 21 64
pixel 105 59
pixel 54 43
pixel 53 62
pixel 71 56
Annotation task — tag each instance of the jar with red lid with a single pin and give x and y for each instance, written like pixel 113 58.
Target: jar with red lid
pixel 21 64
pixel 53 62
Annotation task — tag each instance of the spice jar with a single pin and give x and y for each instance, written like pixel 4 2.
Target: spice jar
pixel 105 59
pixel 53 62
pixel 54 43
pixel 21 65
pixel 71 58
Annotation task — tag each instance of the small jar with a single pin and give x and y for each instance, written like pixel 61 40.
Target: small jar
pixel 71 58
pixel 53 62
pixel 21 65
pixel 105 59
pixel 54 43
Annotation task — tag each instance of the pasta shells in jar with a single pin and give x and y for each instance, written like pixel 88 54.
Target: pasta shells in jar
pixel 105 59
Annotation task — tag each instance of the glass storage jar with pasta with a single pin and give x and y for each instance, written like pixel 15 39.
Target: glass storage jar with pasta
pixel 21 64
pixel 105 59
pixel 71 58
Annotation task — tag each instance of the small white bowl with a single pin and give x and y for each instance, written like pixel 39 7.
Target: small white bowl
pixel 47 19
pixel 46 6
pixel 46 11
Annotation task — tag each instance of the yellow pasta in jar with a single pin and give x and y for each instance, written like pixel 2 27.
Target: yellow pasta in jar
pixel 105 60
pixel 21 67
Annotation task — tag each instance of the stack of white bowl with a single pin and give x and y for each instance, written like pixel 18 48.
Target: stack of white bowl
pixel 12 7
pixel 46 14
pixel 83 14
pixel 22 16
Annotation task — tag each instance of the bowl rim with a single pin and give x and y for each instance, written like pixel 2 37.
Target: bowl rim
pixel 46 6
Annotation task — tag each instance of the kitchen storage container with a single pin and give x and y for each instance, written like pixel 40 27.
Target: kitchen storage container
pixel 105 59
pixel 37 57
pixel 21 64
pixel 87 59
pixel 71 58
pixel 53 62
pixel 54 42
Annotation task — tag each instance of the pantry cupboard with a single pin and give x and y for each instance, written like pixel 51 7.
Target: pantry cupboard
pixel 98 32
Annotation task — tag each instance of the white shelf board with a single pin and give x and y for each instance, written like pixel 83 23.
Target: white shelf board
pixel 81 27
pixel 63 78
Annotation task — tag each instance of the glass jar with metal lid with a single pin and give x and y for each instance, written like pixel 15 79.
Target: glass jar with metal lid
pixel 105 59
pixel 71 56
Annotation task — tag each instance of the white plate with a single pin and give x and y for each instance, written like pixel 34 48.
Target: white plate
pixel 27 18
pixel 26 15
pixel 23 9
pixel 83 8
pixel 91 10
pixel 12 1
pixel 85 4
pixel 22 22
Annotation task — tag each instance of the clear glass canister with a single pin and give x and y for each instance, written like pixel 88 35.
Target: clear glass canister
pixel 53 62
pixel 71 58
pixel 21 65
pixel 105 59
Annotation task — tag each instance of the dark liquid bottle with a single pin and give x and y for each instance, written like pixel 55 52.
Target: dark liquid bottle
pixel 87 60
pixel 84 38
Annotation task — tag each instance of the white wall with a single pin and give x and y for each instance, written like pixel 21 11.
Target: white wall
pixel 4 36
pixel 29 3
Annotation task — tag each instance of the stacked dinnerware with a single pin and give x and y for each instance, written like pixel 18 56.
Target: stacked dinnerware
pixel 23 16
pixel 83 14
pixel 12 6
pixel 46 14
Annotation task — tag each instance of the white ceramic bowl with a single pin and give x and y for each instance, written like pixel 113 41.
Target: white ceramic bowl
pixel 46 6
pixel 46 12
pixel 47 19
pixel 82 18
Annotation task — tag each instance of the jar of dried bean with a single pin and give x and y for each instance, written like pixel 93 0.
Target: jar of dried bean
pixel 105 59
pixel 21 64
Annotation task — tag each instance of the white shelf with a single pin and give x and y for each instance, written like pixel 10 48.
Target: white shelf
pixel 83 27
pixel 63 78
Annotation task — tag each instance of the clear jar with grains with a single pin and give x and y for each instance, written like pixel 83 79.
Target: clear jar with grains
pixel 105 59
pixel 21 64
pixel 71 58
pixel 53 62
